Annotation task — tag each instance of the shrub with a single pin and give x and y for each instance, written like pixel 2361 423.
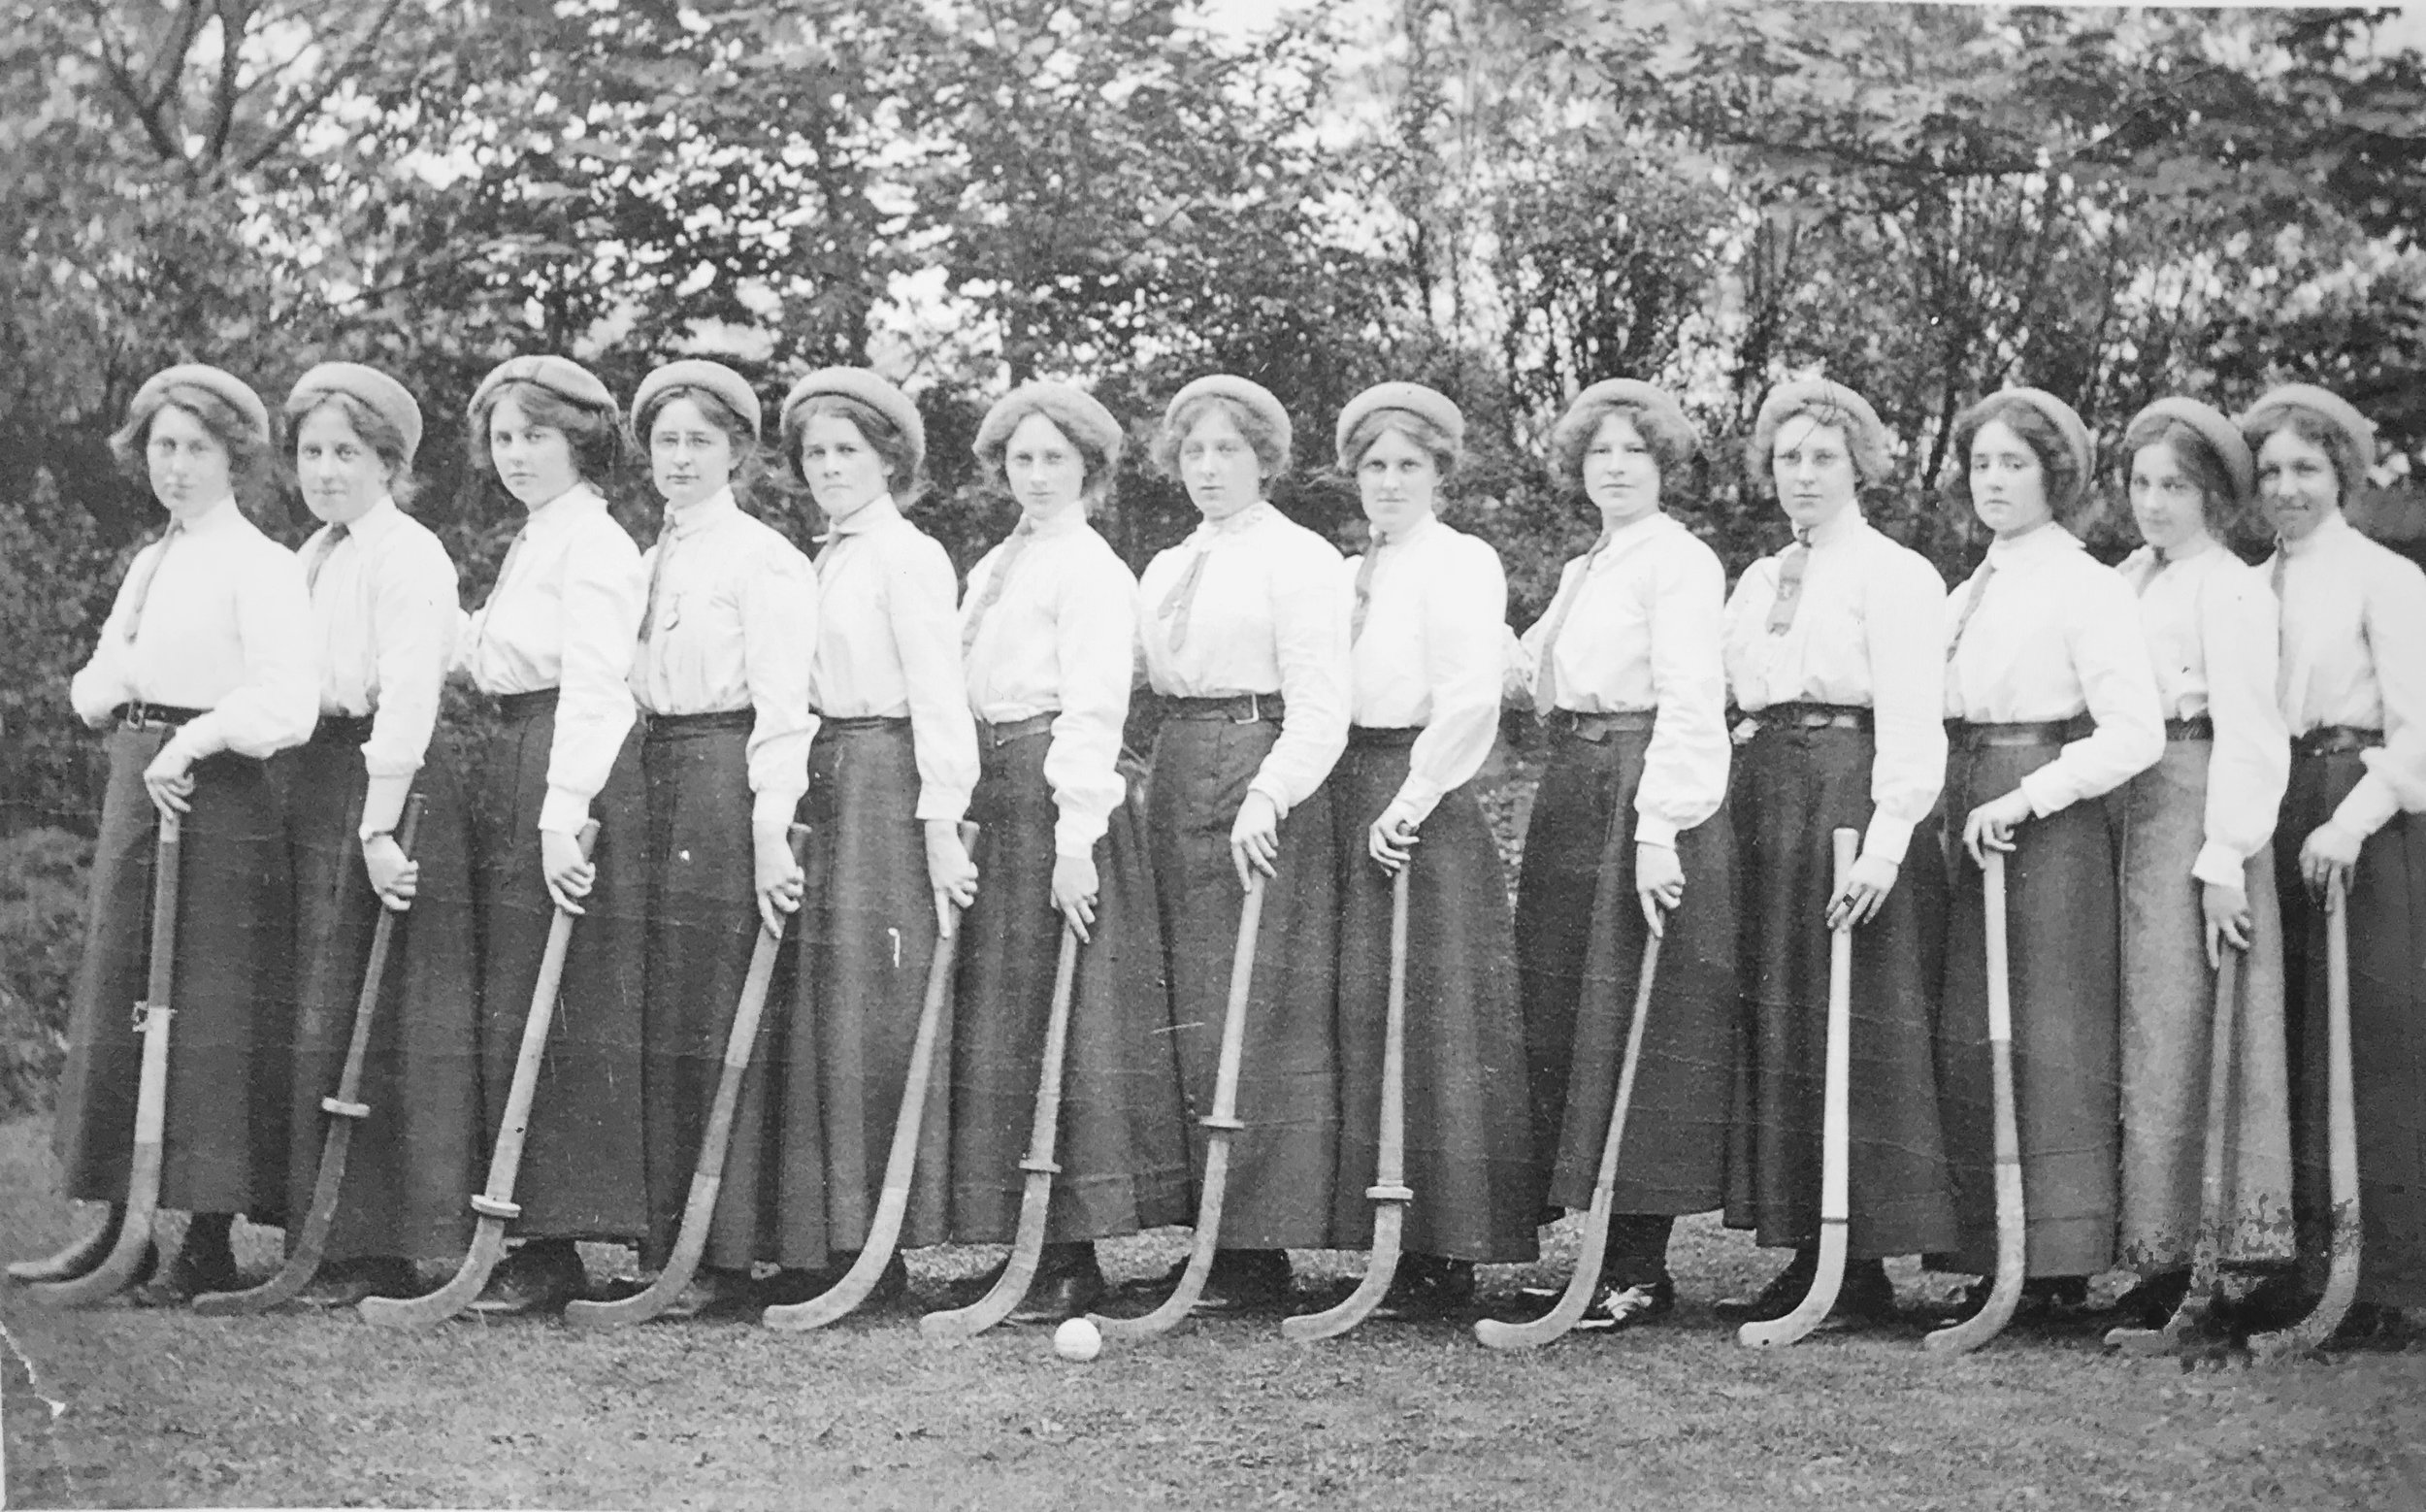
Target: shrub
pixel 43 893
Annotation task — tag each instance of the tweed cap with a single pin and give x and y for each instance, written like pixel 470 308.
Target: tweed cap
pixel 1414 399
pixel 1825 399
pixel 2327 406
pixel 2065 419
pixel 697 372
pixel 1077 414
pixel 2214 429
pixel 217 381
pixel 562 377
pixel 868 389
pixel 1622 391
pixel 386 396
pixel 1227 386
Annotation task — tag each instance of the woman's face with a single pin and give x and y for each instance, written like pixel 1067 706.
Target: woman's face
pixel 2166 502
pixel 190 468
pixel 1219 466
pixel 690 457
pixel 1621 473
pixel 533 461
pixel 1812 468
pixel 1046 471
pixel 2297 483
pixel 342 475
pixel 1398 481
pixel 846 473
pixel 2008 483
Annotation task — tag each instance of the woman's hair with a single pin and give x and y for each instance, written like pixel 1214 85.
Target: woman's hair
pixel 2068 496
pixel 1672 442
pixel 883 437
pixel 1270 449
pixel 993 444
pixel 1864 442
pixel 370 427
pixel 2350 466
pixel 2226 513
pixel 595 437
pixel 248 463
pixel 1438 443
pixel 747 457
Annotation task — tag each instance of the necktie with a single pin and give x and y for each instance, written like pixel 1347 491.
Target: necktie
pixel 1970 606
pixel 151 573
pixel 656 578
pixel 1792 563
pixel 834 542
pixel 1365 582
pixel 321 553
pixel 1546 685
pixel 1176 609
pixel 2276 577
pixel 1021 535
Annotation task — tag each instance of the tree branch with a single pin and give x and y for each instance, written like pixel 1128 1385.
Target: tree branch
pixel 114 63
pixel 234 15
pixel 309 107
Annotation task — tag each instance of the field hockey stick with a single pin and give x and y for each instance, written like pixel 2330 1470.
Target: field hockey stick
pixel 1835 1132
pixel 2342 1274
pixel 2013 1233
pixel 707 1174
pixel 884 1230
pixel 1220 1126
pixel 495 1205
pixel 1036 1198
pixel 152 1097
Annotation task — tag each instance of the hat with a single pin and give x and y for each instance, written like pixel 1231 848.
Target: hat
pixel 868 389
pixel 1254 396
pixel 2066 420
pixel 2215 430
pixel 2327 406
pixel 1832 402
pixel 216 381
pixel 696 373
pixel 1428 405
pixel 386 397
pixel 562 377
pixel 1076 412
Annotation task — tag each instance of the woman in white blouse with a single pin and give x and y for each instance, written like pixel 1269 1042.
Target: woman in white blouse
pixel 1629 837
pixel 2353 694
pixel 1048 628
pixel 1244 631
pixel 384 610
pixel 2051 704
pixel 1836 657
pixel 721 676
pixel 1426 627
pixel 203 669
pixel 890 771
pixel 2198 869
pixel 552 650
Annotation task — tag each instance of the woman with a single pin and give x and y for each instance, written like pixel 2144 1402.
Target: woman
pixel 2198 870
pixel 1628 839
pixel 203 671
pixel 553 648
pixel 1430 610
pixel 2053 704
pixel 1836 656
pixel 1244 631
pixel 2353 693
pixel 726 633
pixel 890 771
pixel 1047 629
pixel 383 610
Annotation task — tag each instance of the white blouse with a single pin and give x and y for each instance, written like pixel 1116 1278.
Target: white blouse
pixel 225 626
pixel 1059 640
pixel 1429 654
pixel 2057 634
pixel 2354 625
pixel 2212 628
pixel 733 627
pixel 888 645
pixel 1645 632
pixel 1869 630
pixel 1269 616
pixel 564 615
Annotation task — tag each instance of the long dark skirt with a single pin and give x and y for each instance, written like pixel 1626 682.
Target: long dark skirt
pixel 1793 789
pixel 702 926
pixel 1283 1163
pixel 867 935
pixel 225 1128
pixel 412 1163
pixel 2387 933
pixel 1580 936
pixel 2167 1027
pixel 1123 1134
pixel 582 1174
pixel 2061 952
pixel 1469 1157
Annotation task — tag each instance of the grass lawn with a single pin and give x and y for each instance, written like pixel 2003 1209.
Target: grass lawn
pixel 128 1408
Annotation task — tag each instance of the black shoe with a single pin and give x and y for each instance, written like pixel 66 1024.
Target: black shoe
pixel 1426 1288
pixel 969 1290
pixel 716 1294
pixel 892 1282
pixel 2152 1302
pixel 347 1282
pixel 1782 1295
pixel 80 1259
pixel 796 1284
pixel 1066 1286
pixel 2274 1304
pixel 1629 1306
pixel 2044 1298
pixel 540 1277
pixel 2368 1326
pixel 204 1263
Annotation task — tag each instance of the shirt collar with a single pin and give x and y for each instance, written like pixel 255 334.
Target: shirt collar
pixel 223 515
pixel 2048 541
pixel 2329 531
pixel 1843 526
pixel 565 511
pixel 1418 531
pixel 373 522
pixel 1209 530
pixel 712 511
pixel 1068 521
pixel 877 511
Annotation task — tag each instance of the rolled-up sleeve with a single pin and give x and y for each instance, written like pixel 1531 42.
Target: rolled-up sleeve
pixel 600 625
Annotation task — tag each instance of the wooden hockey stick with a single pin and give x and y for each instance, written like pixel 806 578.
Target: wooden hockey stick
pixel 2342 1274
pixel 2013 1233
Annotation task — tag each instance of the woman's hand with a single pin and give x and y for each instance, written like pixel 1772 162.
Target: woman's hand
pixel 2328 855
pixel 1659 882
pixel 1075 887
pixel 1391 839
pixel 569 875
pixel 1991 826
pixel 394 876
pixel 1254 840
pixel 169 780
pixel 2228 919
pixel 1866 887
pixel 779 879
pixel 949 871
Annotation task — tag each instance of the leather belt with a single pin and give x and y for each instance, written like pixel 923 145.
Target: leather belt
pixel 2334 740
pixel 675 727
pixel 1239 709
pixel 990 735
pixel 1382 738
pixel 2197 727
pixel 341 729
pixel 139 715
pixel 1966 735
pixel 526 705
pixel 1800 715
pixel 1597 728
pixel 846 724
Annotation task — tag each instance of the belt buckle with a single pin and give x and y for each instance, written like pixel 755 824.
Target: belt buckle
pixel 1255 711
